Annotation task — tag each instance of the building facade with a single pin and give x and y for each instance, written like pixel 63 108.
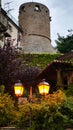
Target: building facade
pixel 9 30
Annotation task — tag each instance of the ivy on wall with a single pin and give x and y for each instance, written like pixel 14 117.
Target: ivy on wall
pixel 40 60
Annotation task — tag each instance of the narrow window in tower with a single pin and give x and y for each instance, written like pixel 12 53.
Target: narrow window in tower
pixel 23 8
pixel 37 8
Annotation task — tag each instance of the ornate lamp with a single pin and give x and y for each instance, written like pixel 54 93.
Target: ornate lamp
pixel 18 89
pixel 43 87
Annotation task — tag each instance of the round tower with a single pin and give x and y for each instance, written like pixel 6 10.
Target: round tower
pixel 34 20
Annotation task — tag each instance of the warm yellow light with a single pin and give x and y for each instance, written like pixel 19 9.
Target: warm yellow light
pixel 43 88
pixel 18 88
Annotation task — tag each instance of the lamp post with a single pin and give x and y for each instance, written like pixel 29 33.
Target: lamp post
pixel 43 87
pixel 43 90
pixel 18 89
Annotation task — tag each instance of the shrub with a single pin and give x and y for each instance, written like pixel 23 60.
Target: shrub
pixel 69 92
pixel 45 115
pixel 54 112
pixel 7 111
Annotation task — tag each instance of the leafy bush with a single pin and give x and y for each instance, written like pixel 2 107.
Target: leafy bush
pixel 7 111
pixel 53 113
pixel 69 91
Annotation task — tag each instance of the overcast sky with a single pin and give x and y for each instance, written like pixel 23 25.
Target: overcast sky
pixel 61 12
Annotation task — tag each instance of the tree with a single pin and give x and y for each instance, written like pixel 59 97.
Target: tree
pixel 13 68
pixel 10 66
pixel 65 44
pixel 29 77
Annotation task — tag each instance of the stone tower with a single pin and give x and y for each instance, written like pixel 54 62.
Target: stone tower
pixel 34 20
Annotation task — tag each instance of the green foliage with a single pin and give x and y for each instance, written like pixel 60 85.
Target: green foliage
pixel 7 111
pixel 2 87
pixel 64 44
pixel 54 112
pixel 67 112
pixel 29 76
pixel 69 91
pixel 10 67
pixel 13 65
pixel 40 60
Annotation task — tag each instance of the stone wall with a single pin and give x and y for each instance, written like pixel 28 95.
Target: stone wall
pixel 34 20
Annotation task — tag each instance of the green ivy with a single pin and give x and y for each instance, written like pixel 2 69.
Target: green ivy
pixel 40 60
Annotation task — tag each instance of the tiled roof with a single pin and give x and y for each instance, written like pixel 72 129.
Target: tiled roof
pixel 56 64
pixel 67 56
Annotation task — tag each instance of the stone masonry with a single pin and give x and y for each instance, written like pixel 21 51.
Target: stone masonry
pixel 34 20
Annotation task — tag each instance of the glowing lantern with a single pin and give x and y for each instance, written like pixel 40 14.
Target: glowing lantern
pixel 18 89
pixel 43 88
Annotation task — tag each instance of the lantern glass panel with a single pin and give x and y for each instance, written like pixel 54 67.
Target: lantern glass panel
pixel 18 90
